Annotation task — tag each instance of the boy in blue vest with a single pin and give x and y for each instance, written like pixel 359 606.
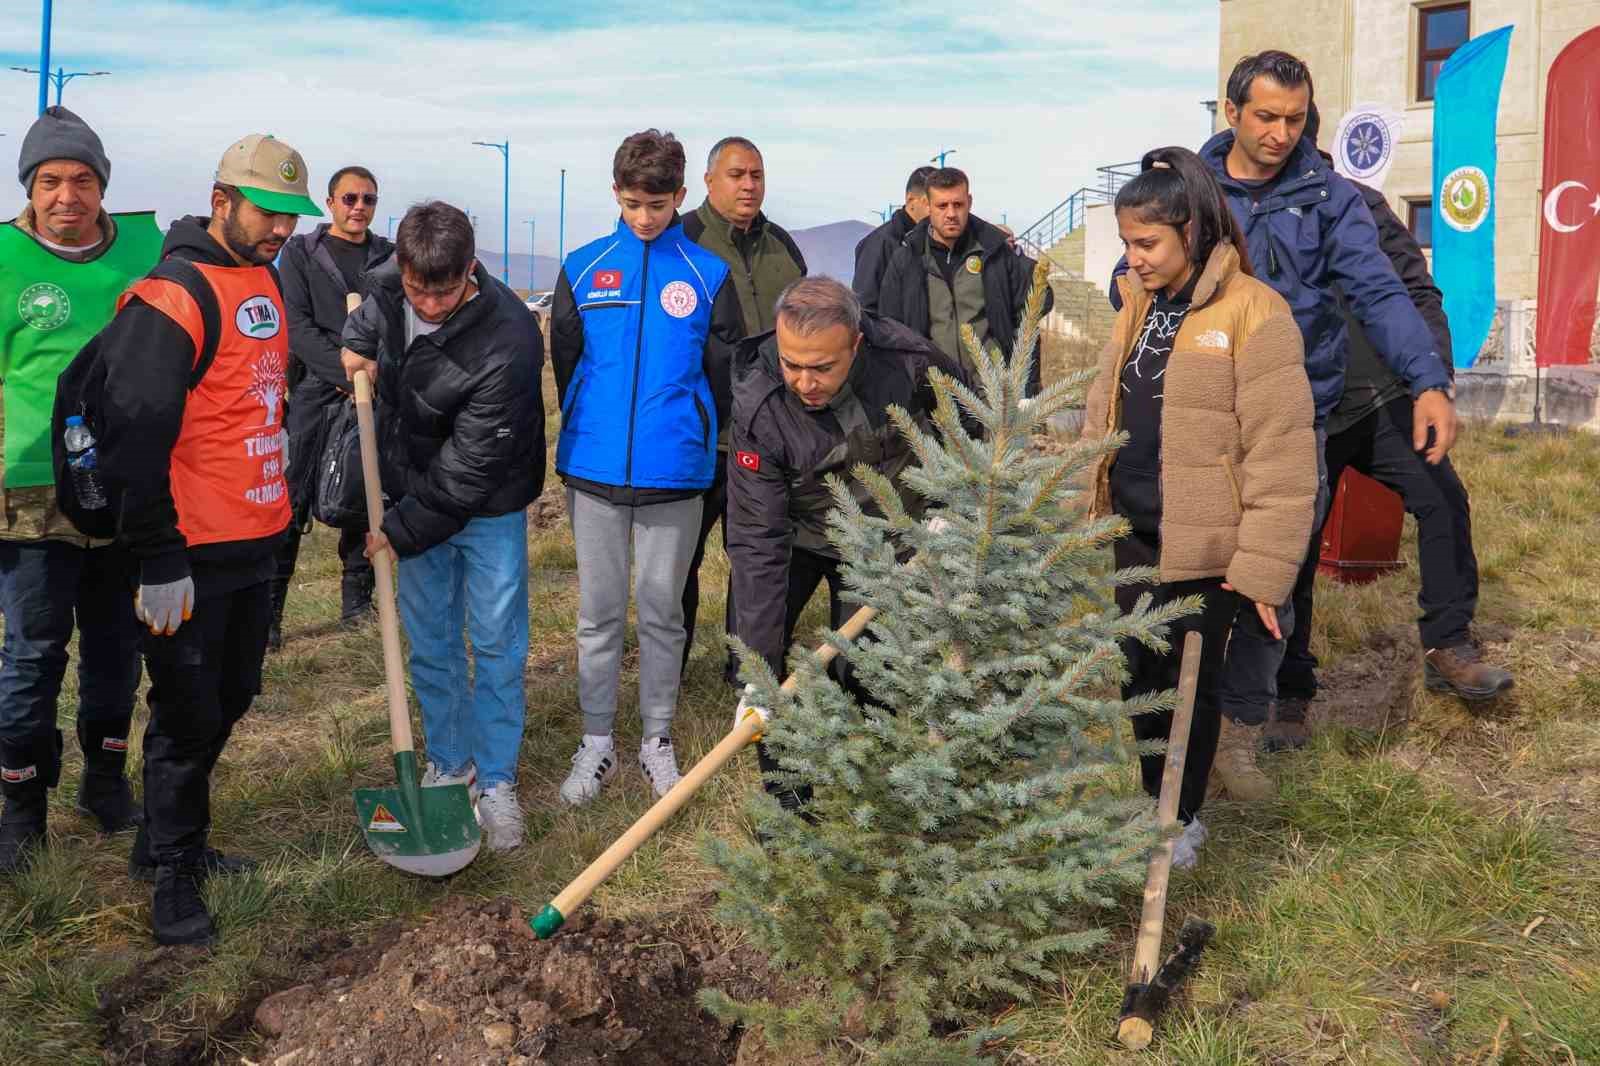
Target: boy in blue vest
pixel 642 332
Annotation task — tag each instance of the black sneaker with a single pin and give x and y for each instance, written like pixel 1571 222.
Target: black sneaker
pixel 20 838
pixel 142 866
pixel 178 911
pixel 108 799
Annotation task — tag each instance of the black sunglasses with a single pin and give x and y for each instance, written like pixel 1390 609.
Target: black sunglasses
pixel 350 199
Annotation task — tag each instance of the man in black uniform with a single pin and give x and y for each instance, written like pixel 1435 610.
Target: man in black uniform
pixel 874 250
pixel 809 400
pixel 953 270
pixel 318 270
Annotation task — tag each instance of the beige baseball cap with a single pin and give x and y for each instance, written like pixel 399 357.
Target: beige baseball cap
pixel 269 173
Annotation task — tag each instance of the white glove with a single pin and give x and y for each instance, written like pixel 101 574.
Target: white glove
pixel 746 708
pixel 165 607
pixel 938 524
pixel 1025 403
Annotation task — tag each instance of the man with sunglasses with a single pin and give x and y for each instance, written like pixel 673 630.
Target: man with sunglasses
pixel 318 270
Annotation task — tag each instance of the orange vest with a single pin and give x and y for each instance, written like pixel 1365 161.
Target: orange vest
pixel 227 466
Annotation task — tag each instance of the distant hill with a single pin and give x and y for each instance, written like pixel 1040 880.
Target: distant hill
pixel 829 249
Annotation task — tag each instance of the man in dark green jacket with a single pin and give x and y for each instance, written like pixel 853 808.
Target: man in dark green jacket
pixel 762 261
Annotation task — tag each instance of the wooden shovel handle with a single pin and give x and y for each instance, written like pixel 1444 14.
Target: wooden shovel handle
pixel 1147 949
pixel 582 887
pixel 383 572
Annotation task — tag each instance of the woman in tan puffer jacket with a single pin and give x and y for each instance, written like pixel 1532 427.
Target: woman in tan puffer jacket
pixel 1205 373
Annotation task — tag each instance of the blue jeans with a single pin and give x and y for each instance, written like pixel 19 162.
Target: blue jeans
pixel 46 587
pixel 1250 675
pixel 477 582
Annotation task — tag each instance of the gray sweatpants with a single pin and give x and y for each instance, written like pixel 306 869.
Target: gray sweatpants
pixel 659 540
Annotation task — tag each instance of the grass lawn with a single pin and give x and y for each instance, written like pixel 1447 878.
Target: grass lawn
pixel 1425 890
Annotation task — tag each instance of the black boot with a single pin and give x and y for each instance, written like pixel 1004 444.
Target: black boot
pixel 280 595
pixel 103 791
pixel 142 865
pixel 355 598
pixel 26 773
pixel 178 910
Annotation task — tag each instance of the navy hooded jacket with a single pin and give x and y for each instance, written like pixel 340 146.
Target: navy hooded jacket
pixel 1313 232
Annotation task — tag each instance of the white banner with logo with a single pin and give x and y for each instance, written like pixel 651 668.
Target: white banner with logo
pixel 1363 147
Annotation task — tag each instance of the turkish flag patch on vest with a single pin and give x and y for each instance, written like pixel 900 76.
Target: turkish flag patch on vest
pixel 748 460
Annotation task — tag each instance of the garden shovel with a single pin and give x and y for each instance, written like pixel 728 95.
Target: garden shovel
pixel 428 831
pixel 555 913
pixel 1149 987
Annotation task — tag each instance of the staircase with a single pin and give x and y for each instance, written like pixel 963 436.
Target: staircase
pixel 1059 237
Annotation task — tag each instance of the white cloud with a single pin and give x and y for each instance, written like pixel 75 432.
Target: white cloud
pixel 842 108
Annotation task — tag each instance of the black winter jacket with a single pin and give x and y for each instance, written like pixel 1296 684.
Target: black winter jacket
pixel 462 434
pixel 872 257
pixel 313 298
pixel 903 294
pixel 1369 383
pixel 781 451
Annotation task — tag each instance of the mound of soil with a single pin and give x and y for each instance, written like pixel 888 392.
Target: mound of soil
pixel 473 986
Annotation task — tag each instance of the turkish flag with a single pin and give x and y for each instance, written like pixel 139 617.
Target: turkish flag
pixel 608 279
pixel 748 460
pixel 1569 239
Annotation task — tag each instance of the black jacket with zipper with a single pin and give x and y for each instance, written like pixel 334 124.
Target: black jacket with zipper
pixel 149 359
pixel 1007 275
pixel 781 451
pixel 313 298
pixel 462 435
pixel 873 254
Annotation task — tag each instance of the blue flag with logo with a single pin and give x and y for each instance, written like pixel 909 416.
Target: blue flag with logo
pixel 1466 105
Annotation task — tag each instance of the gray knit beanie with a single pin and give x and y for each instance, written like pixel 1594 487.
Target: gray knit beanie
pixel 60 134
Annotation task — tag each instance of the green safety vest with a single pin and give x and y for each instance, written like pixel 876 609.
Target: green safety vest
pixel 49 309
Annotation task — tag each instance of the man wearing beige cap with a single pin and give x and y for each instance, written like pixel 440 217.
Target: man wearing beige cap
pixel 190 434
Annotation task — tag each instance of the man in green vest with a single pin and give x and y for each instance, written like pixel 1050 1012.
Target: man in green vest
pixel 762 261
pixel 63 263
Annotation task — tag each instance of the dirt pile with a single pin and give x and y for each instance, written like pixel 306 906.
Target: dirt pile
pixel 473 986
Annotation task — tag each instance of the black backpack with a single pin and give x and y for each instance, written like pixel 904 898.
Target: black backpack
pixel 80 390
pixel 339 495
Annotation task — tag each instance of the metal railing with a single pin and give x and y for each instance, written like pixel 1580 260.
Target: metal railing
pixel 1068 215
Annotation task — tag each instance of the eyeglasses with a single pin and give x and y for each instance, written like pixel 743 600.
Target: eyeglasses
pixel 350 199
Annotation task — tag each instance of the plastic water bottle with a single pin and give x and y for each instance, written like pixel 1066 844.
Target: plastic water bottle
pixel 84 463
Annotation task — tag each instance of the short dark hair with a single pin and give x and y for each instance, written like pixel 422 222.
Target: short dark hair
pixel 435 243
pixel 361 172
pixel 1176 189
pixel 727 142
pixel 917 183
pixel 1313 128
pixel 1283 68
pixel 810 305
pixel 948 178
pixel 649 160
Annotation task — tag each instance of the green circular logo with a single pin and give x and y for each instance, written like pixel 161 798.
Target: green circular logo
pixel 288 171
pixel 1464 198
pixel 44 306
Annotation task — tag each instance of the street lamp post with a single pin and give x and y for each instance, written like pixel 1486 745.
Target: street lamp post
pixel 561 227
pixel 60 78
pixel 505 206
pixel 391 226
pixel 533 254
pixel 940 157
pixel 44 60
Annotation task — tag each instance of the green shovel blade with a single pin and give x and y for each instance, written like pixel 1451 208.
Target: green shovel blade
pixel 431 832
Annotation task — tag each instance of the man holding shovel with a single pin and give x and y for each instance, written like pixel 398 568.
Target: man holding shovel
pixel 457 357
pixel 192 446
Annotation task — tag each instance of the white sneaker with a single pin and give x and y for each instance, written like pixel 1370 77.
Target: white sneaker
pixel 592 769
pixel 501 817
pixel 660 764
pixel 1186 849
pixel 433 777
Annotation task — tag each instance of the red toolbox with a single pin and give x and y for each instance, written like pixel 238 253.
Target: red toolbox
pixel 1361 539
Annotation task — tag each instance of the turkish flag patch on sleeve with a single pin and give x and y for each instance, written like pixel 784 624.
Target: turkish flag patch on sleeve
pixel 608 279
pixel 748 460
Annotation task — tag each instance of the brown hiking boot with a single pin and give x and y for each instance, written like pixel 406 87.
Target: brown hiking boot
pixel 1286 726
pixel 1462 671
pixel 1236 767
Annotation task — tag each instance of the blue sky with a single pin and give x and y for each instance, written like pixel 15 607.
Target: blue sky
pixel 844 98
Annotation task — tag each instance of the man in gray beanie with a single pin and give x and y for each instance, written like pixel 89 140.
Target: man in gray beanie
pixel 63 263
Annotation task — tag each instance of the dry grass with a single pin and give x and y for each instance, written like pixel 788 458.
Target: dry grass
pixel 1394 866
